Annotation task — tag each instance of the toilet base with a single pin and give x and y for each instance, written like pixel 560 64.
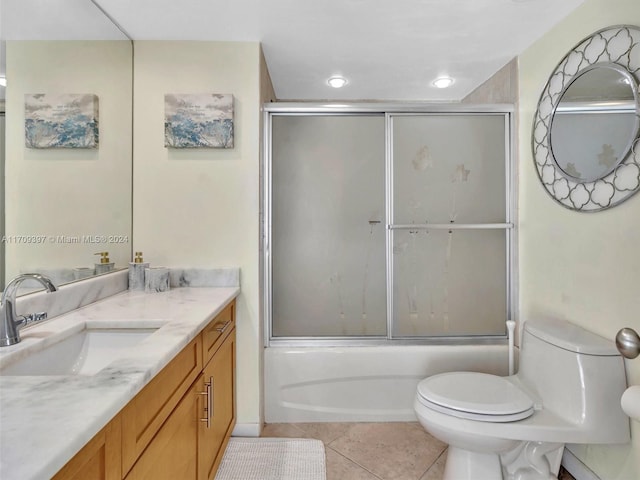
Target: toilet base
pixel 528 461
pixel 533 461
pixel 466 465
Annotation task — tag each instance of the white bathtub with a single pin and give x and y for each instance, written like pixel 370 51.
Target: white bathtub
pixel 362 384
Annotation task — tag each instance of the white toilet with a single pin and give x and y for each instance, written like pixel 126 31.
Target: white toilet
pixel 567 390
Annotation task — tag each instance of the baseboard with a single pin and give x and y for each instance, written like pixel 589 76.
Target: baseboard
pixel 247 430
pixel 576 468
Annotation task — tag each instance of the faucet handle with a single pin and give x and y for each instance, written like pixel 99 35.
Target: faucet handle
pixel 33 318
pixel 10 323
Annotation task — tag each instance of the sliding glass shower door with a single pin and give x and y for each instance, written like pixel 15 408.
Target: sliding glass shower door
pixel 449 225
pixel 387 226
pixel 327 226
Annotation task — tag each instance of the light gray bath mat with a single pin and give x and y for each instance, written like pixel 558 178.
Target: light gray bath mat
pixel 273 459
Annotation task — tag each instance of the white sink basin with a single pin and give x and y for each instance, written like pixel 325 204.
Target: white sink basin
pixel 85 352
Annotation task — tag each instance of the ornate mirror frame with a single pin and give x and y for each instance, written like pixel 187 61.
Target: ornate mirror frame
pixel 619 45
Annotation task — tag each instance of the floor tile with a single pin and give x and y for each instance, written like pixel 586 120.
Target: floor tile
pixel 392 451
pixel 327 432
pixel 436 471
pixel 284 430
pixel 341 468
pixel 374 451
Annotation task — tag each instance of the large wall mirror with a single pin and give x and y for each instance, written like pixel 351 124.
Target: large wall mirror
pixel 65 205
pixel 586 141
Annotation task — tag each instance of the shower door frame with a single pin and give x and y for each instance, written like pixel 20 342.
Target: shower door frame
pixel 388 110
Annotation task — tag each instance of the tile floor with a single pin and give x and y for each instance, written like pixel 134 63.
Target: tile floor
pixel 373 451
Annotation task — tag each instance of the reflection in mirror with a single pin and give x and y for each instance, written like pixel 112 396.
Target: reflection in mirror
pixel 2 124
pixel 64 205
pixel 595 122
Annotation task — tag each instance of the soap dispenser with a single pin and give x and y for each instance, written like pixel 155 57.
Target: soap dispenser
pixel 136 272
pixel 105 265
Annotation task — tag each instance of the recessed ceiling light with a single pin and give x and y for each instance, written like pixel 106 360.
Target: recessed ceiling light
pixel 443 82
pixel 337 81
pixel 3 82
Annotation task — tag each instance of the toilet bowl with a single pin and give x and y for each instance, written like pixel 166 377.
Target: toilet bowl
pixel 567 390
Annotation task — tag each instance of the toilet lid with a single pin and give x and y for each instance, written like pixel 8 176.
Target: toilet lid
pixel 478 396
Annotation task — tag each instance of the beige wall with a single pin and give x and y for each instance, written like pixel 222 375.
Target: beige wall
pixel 200 207
pixel 71 192
pixel 582 267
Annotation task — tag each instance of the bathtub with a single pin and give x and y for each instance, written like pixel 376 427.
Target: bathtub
pixel 362 384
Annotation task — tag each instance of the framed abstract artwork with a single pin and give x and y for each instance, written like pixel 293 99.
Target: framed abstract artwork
pixel 198 120
pixel 61 120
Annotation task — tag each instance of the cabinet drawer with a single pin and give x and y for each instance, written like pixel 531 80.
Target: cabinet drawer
pixel 145 414
pixel 217 330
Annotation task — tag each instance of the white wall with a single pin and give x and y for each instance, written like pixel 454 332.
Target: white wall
pixel 581 267
pixel 200 207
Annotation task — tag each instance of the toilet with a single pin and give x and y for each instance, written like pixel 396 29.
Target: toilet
pixel 567 390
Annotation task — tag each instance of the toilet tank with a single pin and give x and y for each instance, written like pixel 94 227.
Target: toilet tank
pixel 578 375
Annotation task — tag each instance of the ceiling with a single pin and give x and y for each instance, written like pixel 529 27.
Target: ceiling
pixel 387 49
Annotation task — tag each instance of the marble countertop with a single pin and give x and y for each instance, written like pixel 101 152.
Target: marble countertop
pixel 46 420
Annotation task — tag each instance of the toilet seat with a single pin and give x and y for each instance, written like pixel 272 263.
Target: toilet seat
pixel 475 396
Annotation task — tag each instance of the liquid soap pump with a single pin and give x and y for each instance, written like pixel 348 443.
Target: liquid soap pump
pixel 136 272
pixel 105 265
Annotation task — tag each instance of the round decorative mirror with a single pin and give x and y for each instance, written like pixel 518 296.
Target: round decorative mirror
pixel 594 123
pixel 586 143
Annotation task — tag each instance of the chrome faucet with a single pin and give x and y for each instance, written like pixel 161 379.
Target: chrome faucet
pixel 10 323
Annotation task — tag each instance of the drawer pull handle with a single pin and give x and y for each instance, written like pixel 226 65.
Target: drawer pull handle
pixel 221 328
pixel 208 409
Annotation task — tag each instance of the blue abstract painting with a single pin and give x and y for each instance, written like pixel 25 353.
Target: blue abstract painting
pixel 61 120
pixel 198 120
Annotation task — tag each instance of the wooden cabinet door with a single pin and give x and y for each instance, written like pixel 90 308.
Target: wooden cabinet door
pixel 143 416
pixel 172 454
pixel 99 459
pixel 214 435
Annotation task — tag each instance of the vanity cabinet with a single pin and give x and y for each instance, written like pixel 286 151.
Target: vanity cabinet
pixel 147 412
pixel 99 459
pixel 179 424
pixel 218 419
pixel 172 453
